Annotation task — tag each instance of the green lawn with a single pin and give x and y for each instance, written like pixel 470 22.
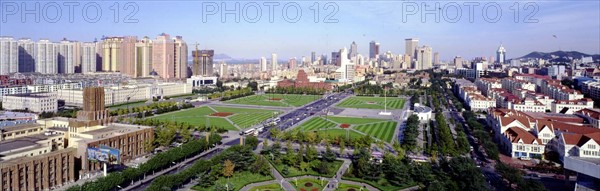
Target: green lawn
pixel 242 117
pixel 126 105
pixel 353 120
pixel 372 103
pixel 294 172
pixel 281 100
pixel 382 130
pixel 308 184
pixel 316 123
pixel 333 133
pixel 198 117
pixel 238 180
pixel 270 187
pixel 346 187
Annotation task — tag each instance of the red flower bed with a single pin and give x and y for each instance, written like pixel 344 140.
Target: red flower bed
pixel 314 189
pixel 221 114
pixel 302 189
pixel 275 99
pixel 345 125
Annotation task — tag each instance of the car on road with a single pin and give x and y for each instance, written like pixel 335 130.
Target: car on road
pixel 532 176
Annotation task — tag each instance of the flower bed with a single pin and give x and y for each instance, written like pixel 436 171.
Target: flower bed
pixel 344 125
pixel 221 114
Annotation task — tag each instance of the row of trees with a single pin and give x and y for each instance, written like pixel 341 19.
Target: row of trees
pixel 69 113
pixel 304 159
pixel 298 90
pixel 311 137
pixel 367 89
pixel 514 176
pixel 156 163
pixel 231 94
pixel 482 135
pixel 159 107
pixel 411 132
pixel 168 131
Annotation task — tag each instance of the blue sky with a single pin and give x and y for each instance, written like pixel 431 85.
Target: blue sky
pixel 575 24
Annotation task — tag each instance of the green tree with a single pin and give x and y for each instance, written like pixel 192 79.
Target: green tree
pixel 251 141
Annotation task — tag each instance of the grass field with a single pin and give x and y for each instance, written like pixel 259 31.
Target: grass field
pixel 294 172
pixel 372 103
pixel 242 117
pixel 281 100
pixel 382 129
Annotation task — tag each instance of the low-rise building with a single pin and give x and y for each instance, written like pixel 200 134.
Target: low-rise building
pixel 571 106
pixel 35 102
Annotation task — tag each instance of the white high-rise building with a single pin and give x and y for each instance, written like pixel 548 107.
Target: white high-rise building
pixel 223 69
pixel 88 57
pixel 66 57
pixel 263 64
pixel 46 57
pixel 424 58
pixel 26 55
pixel 501 55
pixel 346 70
pixel 411 47
pixel 273 62
pixel 143 55
pixel 9 56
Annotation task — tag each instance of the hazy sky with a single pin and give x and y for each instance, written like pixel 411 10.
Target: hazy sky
pixel 575 25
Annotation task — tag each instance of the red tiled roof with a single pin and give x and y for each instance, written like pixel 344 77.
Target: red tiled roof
pixel 579 139
pixel 590 112
pixel 516 133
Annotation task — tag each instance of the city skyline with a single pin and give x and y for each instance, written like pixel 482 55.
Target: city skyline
pixel 361 22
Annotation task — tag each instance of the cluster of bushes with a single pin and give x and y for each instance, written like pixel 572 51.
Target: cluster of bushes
pixel 231 94
pixel 305 159
pixel 298 90
pixel 167 131
pixel 69 113
pixel 156 163
pixel 159 107
pixel 411 132
pixel 311 137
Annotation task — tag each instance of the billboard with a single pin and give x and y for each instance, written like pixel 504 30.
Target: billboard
pixel 104 154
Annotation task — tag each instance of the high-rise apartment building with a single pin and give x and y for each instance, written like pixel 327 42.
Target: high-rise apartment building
pixel 501 55
pixel 373 50
pixel 66 57
pixel 9 56
pixel 143 57
pixel 118 54
pixel 274 62
pixel 458 62
pixel 292 63
pixel 436 58
pixel 263 64
pixel 203 62
pixel 46 55
pixel 411 47
pixel 88 57
pixel 26 55
pixel 163 56
pixel 424 58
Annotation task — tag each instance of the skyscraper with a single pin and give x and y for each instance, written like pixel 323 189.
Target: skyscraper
pixel 353 50
pixel 45 57
pixel 88 57
pixel 118 54
pixel 335 58
pixel 501 55
pixel 373 50
pixel 223 70
pixel 163 56
pixel 458 62
pixel 181 58
pixel 424 60
pixel 26 55
pixel 203 62
pixel 346 70
pixel 411 47
pixel 143 57
pixel 263 64
pixel 9 55
pixel 313 57
pixel 66 57
pixel 274 62
pixel 436 58
pixel 292 63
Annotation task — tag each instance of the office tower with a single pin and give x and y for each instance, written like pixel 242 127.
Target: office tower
pixel 424 60
pixel 9 56
pixel 501 55
pixel 263 64
pixel 292 63
pixel 406 61
pixel 26 55
pixel 346 70
pixel 335 58
pixel 163 50
pixel 324 59
pixel 274 62
pixel 373 50
pixel 46 57
pixel 88 57
pixel 411 47
pixel 458 62
pixel 223 70
pixel 313 57
pixel 181 55
pixel 66 57
pixel 353 51
pixel 203 62
pixel 143 57
pixel 436 58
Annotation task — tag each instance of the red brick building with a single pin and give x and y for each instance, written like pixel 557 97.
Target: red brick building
pixel 6 80
pixel 303 82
